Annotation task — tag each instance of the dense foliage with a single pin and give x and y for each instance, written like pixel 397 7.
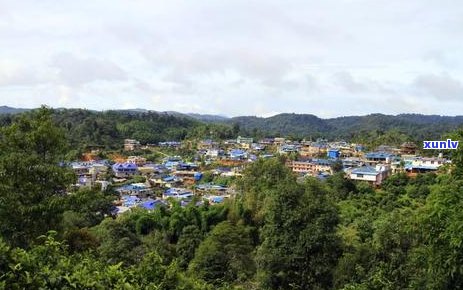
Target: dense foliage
pixel 276 234
pixel 86 128
pixel 375 128
pixel 109 128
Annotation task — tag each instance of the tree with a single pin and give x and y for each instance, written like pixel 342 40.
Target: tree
pixel 225 255
pixel 299 244
pixel 32 182
pixel 439 258
pixel 189 240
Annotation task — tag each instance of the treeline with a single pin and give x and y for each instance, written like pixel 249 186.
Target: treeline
pixel 413 127
pixel 109 128
pixel 277 233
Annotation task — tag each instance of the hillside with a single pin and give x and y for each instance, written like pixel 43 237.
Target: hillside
pixel 111 127
pixel 10 110
pixel 306 126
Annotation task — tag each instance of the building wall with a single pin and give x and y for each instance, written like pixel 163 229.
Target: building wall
pixel 369 178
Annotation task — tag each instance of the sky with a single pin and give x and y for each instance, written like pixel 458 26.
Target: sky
pixel 328 58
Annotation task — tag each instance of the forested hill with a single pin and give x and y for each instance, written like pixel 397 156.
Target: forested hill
pixel 305 125
pixel 10 110
pixel 110 128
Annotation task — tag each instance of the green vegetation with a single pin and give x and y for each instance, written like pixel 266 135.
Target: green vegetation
pixel 372 129
pixel 108 129
pixel 276 234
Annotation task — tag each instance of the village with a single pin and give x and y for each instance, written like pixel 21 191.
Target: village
pixel 208 172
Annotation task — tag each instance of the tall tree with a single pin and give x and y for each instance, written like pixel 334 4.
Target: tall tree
pixel 299 245
pixel 225 255
pixel 32 181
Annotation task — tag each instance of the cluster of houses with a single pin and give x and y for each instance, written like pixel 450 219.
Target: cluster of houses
pixel 372 167
pixel 157 183
pixel 174 178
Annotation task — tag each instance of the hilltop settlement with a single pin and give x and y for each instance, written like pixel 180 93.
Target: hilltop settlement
pixel 148 175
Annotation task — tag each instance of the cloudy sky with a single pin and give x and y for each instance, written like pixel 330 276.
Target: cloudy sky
pixel 328 58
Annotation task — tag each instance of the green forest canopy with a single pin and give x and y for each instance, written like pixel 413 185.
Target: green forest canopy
pixel 109 128
pixel 276 234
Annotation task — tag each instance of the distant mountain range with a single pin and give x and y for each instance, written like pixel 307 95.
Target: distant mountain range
pixel 200 117
pixel 416 125
pixel 307 125
pixel 10 110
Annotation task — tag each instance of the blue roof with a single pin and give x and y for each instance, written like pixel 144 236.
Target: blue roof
pixel 197 175
pixel 129 200
pixel 125 165
pixel 217 199
pixel 223 169
pixel 323 175
pixel 366 170
pixel 150 204
pixel 322 161
pixel 430 167
pixel 171 163
pixel 177 192
pixel 206 186
pixel 379 155
pixel 319 145
pixel 168 178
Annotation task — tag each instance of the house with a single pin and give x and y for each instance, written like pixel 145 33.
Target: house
pixel 125 169
pixel 214 153
pixel 221 170
pixel 210 187
pixel 288 148
pixel 177 193
pixel 88 172
pixel 171 162
pixel 408 148
pixel 257 147
pixel 359 148
pixel 244 140
pixel 216 198
pixel 207 144
pixel 237 154
pixel 131 145
pixel 314 149
pixel 373 175
pixel 188 176
pixel 170 144
pixel 186 167
pixel 266 156
pixel 333 153
pixel 147 169
pixel 166 181
pixel 311 166
pixel 138 160
pixel 266 141
pixel 279 141
pixel 424 164
pixel 135 189
pixel 380 156
pixel 130 201
pixel 151 204
pixel 385 148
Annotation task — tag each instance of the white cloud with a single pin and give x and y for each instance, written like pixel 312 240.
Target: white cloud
pixel 73 70
pixel 442 87
pixel 235 57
